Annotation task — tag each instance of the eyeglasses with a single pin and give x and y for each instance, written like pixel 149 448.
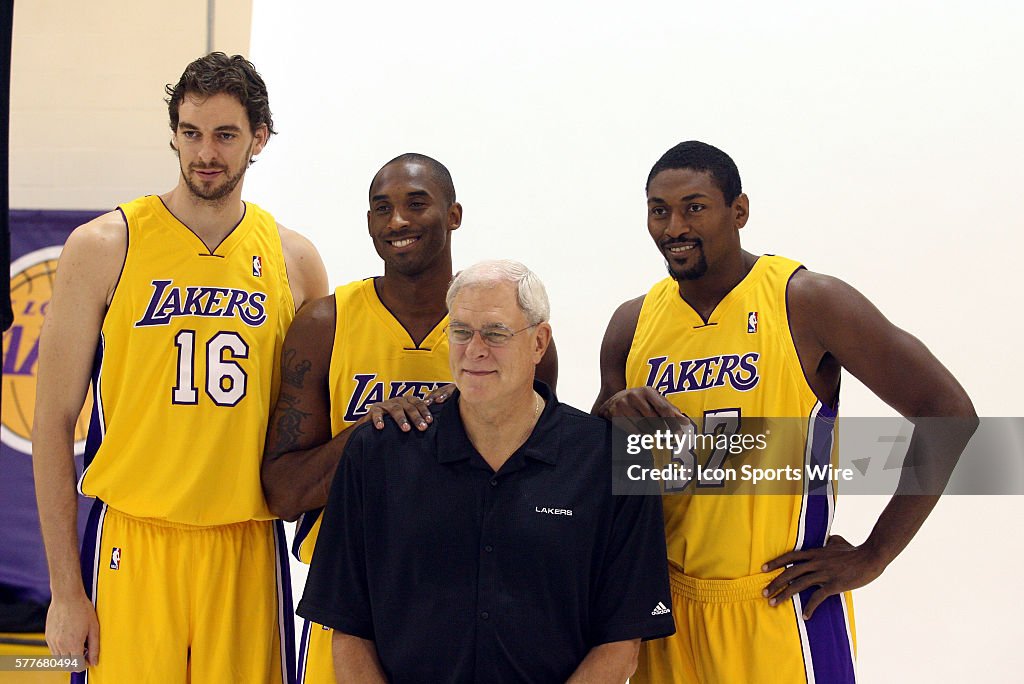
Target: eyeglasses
pixel 492 335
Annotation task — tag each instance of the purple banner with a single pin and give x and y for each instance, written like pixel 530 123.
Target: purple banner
pixel 37 237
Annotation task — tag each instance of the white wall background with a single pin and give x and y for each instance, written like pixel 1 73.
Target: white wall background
pixel 88 120
pixel 878 142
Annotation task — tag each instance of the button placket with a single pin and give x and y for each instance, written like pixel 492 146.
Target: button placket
pixel 487 569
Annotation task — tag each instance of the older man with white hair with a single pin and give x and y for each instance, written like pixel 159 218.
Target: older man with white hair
pixel 489 548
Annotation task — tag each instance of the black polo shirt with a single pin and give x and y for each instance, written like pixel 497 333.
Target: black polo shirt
pixel 461 574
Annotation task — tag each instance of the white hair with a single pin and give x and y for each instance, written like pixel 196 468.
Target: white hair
pixel 531 296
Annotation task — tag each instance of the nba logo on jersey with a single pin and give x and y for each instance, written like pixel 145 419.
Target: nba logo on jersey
pixel 257 265
pixel 115 558
pixel 752 322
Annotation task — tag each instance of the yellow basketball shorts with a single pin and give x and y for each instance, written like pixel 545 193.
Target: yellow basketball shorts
pixel 316 657
pixel 727 633
pixel 179 603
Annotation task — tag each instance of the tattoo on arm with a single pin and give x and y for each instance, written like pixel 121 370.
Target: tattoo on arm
pixel 289 423
pixel 295 371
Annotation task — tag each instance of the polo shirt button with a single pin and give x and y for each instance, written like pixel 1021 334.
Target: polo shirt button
pixel 494 482
pixel 485 615
pixel 488 548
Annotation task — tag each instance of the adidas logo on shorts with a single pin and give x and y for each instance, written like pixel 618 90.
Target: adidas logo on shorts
pixel 660 609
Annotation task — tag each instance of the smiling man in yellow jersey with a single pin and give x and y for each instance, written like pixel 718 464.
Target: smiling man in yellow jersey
pixel 730 336
pixel 376 346
pixel 175 306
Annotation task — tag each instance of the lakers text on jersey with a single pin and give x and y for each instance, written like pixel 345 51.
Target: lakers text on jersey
pixel 373 359
pixel 735 369
pixel 186 370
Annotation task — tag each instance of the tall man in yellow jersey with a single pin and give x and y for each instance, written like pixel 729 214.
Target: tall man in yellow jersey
pixel 175 306
pixel 376 346
pixel 732 335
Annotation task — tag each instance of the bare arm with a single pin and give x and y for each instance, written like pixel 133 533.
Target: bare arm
pixel 835 324
pixel 306 273
pixel 612 663
pixel 355 660
pixel 300 456
pixel 86 276
pixel 615 349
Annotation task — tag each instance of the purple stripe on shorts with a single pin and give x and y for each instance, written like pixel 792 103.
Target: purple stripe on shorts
pixel 304 651
pixel 287 607
pixel 90 540
pixel 817 518
pixel 829 641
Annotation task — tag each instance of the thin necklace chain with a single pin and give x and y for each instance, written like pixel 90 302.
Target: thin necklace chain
pixel 536 412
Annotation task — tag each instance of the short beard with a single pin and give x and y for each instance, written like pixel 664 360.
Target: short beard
pixel 218 193
pixel 693 273
pixel 214 194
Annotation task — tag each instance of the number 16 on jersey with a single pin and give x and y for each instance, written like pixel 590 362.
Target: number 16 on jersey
pixel 225 379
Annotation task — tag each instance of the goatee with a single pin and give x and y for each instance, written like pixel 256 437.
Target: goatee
pixel 692 273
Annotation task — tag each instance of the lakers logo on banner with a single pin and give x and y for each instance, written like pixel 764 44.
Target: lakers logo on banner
pixel 31 286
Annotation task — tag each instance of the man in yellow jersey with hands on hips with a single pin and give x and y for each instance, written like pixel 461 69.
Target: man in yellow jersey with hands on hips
pixel 731 336
pixel 375 347
pixel 175 306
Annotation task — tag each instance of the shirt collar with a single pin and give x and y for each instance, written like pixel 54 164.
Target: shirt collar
pixel 542 445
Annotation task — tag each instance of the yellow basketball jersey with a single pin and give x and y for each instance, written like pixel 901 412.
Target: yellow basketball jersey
pixel 373 359
pixel 187 370
pixel 740 365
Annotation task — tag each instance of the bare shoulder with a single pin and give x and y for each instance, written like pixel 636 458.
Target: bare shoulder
pixel 820 302
pixel 809 287
pixel 105 235
pixel 88 271
pixel 310 337
pixel 293 240
pixel 630 308
pixel 306 271
pixel 298 250
pixel 619 337
pixel 830 318
pixel 94 255
pixel 622 325
pixel 318 315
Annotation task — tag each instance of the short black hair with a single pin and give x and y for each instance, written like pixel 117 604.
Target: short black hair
pixel 700 156
pixel 438 172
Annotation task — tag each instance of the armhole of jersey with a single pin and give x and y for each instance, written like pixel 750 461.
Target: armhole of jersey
pixel 286 282
pixel 97 418
pixel 334 346
pixel 831 406
pixel 124 262
pixel 340 312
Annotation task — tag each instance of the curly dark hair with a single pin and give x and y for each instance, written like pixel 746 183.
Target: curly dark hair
pixel 217 73
pixel 700 156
